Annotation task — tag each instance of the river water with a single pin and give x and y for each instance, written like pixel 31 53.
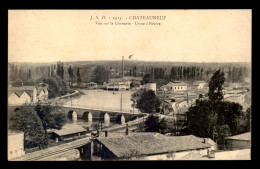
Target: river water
pixel 99 99
pixel 102 99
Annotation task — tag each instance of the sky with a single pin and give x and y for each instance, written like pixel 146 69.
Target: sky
pixel 183 36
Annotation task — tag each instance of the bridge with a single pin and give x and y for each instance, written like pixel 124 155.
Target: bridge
pixel 97 114
pixel 91 114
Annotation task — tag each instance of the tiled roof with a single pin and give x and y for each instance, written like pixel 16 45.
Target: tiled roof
pixel 138 144
pixel 176 84
pixel 68 131
pixel 245 136
pixel 20 90
pixel 40 88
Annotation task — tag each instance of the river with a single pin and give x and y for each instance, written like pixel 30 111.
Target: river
pixel 102 99
pixel 99 99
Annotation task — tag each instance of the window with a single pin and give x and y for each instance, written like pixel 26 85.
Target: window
pixel 178 87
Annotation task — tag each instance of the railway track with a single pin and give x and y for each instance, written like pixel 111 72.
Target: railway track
pixel 53 151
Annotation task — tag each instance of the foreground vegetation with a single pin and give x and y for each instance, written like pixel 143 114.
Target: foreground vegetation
pixel 34 121
pixel 210 117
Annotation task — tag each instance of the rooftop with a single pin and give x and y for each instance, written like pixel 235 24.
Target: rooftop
pixel 68 131
pixel 138 144
pixel 177 83
pixel 244 136
pixel 20 92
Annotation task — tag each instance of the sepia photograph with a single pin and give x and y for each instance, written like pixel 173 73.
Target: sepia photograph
pixel 129 85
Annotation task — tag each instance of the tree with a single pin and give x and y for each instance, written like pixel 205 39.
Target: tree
pixel 148 102
pixel 29 74
pixel 201 119
pixel 213 117
pixel 166 125
pixel 215 86
pixel 57 86
pixel 78 78
pixel 60 70
pixel 101 75
pixel 134 84
pixel 152 124
pixel 147 79
pixel 223 131
pixel 70 71
pixel 25 119
pixel 51 116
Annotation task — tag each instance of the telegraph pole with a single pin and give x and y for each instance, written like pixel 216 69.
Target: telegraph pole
pixel 121 99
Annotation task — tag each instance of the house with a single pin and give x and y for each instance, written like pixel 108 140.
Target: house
pixel 27 94
pixel 174 86
pixel 92 85
pixel 241 141
pixel 117 86
pixel 68 133
pixel 147 146
pixel 199 84
pixel 15 144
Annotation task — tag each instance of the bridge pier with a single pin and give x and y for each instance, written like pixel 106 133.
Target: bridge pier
pixel 120 119
pixel 88 116
pixel 73 115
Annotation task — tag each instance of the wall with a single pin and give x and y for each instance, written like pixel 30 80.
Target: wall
pixel 151 86
pixel 236 144
pixel 43 96
pixel 176 88
pixel 201 85
pixel 13 99
pixel 25 98
pixel 15 145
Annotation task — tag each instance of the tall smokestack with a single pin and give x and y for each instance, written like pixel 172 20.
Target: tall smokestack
pixel 122 66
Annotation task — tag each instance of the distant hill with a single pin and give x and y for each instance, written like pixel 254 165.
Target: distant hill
pixel 131 63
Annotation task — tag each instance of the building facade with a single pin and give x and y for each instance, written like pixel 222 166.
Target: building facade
pixel 92 85
pixel 175 86
pixel 15 144
pixel 27 94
